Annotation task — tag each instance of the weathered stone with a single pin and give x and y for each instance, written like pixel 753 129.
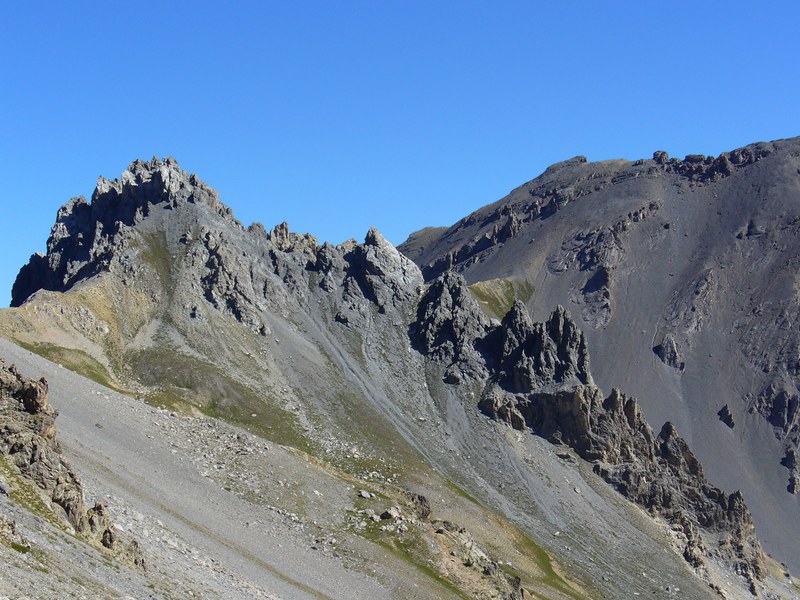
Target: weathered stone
pixel 393 512
pixel 421 505
pixel 660 157
pixel 726 417
pixel 669 352
pixel 449 326
pixel 542 383
pixel 28 438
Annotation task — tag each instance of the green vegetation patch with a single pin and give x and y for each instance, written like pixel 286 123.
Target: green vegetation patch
pixel 181 381
pixel 459 491
pixel 74 360
pixel 496 296
pixel 412 552
pixel 19 548
pixel 549 578
pixel 26 494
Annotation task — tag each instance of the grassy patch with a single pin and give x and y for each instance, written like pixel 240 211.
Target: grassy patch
pixel 26 494
pixel 74 360
pixel 19 548
pixel 270 423
pixel 496 296
pixel 459 491
pixel 550 578
pixel 524 291
pixel 410 552
pixel 181 381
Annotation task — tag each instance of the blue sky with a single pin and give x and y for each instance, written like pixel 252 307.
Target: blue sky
pixel 338 116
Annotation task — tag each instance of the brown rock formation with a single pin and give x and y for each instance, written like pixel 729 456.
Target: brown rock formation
pixel 28 439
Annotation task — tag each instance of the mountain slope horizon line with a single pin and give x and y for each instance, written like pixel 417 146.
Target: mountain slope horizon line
pixel 76 207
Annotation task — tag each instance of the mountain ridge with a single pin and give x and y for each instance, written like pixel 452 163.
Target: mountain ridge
pixel 177 299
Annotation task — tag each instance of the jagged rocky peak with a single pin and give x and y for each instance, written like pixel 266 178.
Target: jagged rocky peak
pixel 152 182
pixel 451 328
pixel 287 241
pixel 281 270
pixel 541 354
pixel 143 185
pixel 385 276
pixel 543 383
pixel 449 324
pixel 516 327
pixel 244 272
pixel 87 235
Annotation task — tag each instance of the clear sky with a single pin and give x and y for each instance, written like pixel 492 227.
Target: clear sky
pixel 336 116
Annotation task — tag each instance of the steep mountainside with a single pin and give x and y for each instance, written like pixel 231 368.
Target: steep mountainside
pixel 683 275
pixel 347 355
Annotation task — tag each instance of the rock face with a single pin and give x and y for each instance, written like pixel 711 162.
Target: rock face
pixel 597 252
pixel 669 352
pixel 779 402
pixel 28 440
pixel 535 356
pixel 87 234
pixel 726 417
pixel 664 477
pixel 448 325
pixel 704 169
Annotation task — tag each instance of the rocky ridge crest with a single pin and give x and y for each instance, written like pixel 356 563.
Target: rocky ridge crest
pixel 88 236
pixel 564 183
